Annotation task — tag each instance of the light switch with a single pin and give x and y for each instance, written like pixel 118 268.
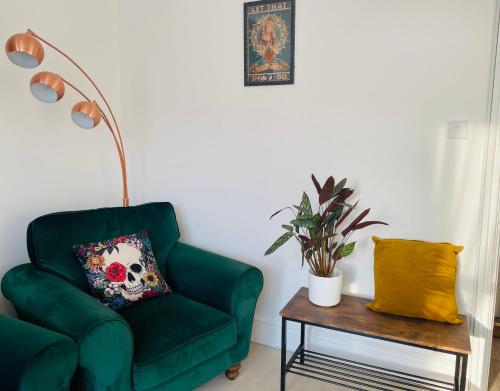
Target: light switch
pixel 458 129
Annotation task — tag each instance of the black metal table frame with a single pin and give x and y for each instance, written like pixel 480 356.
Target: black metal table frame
pixel 356 375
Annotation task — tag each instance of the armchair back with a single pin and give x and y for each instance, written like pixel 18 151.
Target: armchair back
pixel 51 238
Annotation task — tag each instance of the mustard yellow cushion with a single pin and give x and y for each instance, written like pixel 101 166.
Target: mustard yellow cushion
pixel 416 278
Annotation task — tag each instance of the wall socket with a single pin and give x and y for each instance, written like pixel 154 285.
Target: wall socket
pixel 458 130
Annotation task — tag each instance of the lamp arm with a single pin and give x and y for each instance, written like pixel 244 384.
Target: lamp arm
pixel 117 143
pixel 103 115
pixel 29 31
pixel 118 140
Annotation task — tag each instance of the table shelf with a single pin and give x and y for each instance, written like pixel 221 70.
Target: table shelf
pixel 357 375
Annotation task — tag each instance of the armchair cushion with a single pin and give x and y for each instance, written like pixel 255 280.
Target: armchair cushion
pixel 122 270
pixel 173 334
pixel 51 237
pixel 220 282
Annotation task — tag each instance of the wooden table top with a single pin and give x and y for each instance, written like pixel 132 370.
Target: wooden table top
pixel 352 316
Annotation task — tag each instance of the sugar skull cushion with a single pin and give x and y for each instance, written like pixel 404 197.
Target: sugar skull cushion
pixel 122 270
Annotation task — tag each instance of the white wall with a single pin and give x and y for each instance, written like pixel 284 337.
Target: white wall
pixel 376 83
pixel 48 164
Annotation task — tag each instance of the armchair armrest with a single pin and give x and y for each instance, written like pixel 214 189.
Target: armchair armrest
pixel 34 356
pixel 49 301
pixel 219 282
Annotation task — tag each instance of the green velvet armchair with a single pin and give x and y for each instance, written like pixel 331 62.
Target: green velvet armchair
pixel 174 342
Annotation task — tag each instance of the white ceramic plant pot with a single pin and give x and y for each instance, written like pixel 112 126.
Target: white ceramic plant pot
pixel 325 291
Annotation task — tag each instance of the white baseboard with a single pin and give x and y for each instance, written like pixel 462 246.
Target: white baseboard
pixel 369 350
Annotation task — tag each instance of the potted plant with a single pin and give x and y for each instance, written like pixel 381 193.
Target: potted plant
pixel 324 237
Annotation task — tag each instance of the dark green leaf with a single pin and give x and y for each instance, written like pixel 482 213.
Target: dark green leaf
pixel 303 222
pixel 330 220
pixel 279 242
pixel 347 249
pixel 305 205
pixel 340 186
pixel 279 211
pixel 288 227
pixel 316 230
pixel 337 212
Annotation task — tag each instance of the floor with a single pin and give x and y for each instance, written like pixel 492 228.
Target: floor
pixel 261 372
pixel 494 383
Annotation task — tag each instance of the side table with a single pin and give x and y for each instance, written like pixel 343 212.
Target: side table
pixel 351 316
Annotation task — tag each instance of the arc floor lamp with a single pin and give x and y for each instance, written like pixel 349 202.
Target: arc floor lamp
pixel 26 51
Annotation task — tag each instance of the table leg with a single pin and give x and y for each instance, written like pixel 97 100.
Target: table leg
pixel 302 342
pixel 458 360
pixel 460 371
pixel 463 375
pixel 283 353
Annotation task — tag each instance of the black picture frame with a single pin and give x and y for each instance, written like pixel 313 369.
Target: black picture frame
pixel 269 68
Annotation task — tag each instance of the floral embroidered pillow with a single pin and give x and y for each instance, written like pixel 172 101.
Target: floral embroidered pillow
pixel 122 270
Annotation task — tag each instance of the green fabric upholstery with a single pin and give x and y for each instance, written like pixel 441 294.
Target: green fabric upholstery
pixel 197 375
pixel 100 333
pixel 51 238
pixel 172 334
pixel 174 342
pixel 220 282
pixel 33 358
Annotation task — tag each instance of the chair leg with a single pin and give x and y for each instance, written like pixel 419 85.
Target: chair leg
pixel 233 372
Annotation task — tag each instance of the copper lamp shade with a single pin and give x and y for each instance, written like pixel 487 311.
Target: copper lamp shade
pixel 24 50
pixel 47 87
pixel 86 115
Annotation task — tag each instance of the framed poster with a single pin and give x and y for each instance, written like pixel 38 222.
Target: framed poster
pixel 269 42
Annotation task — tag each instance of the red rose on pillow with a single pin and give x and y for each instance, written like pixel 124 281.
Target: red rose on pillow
pixel 116 272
